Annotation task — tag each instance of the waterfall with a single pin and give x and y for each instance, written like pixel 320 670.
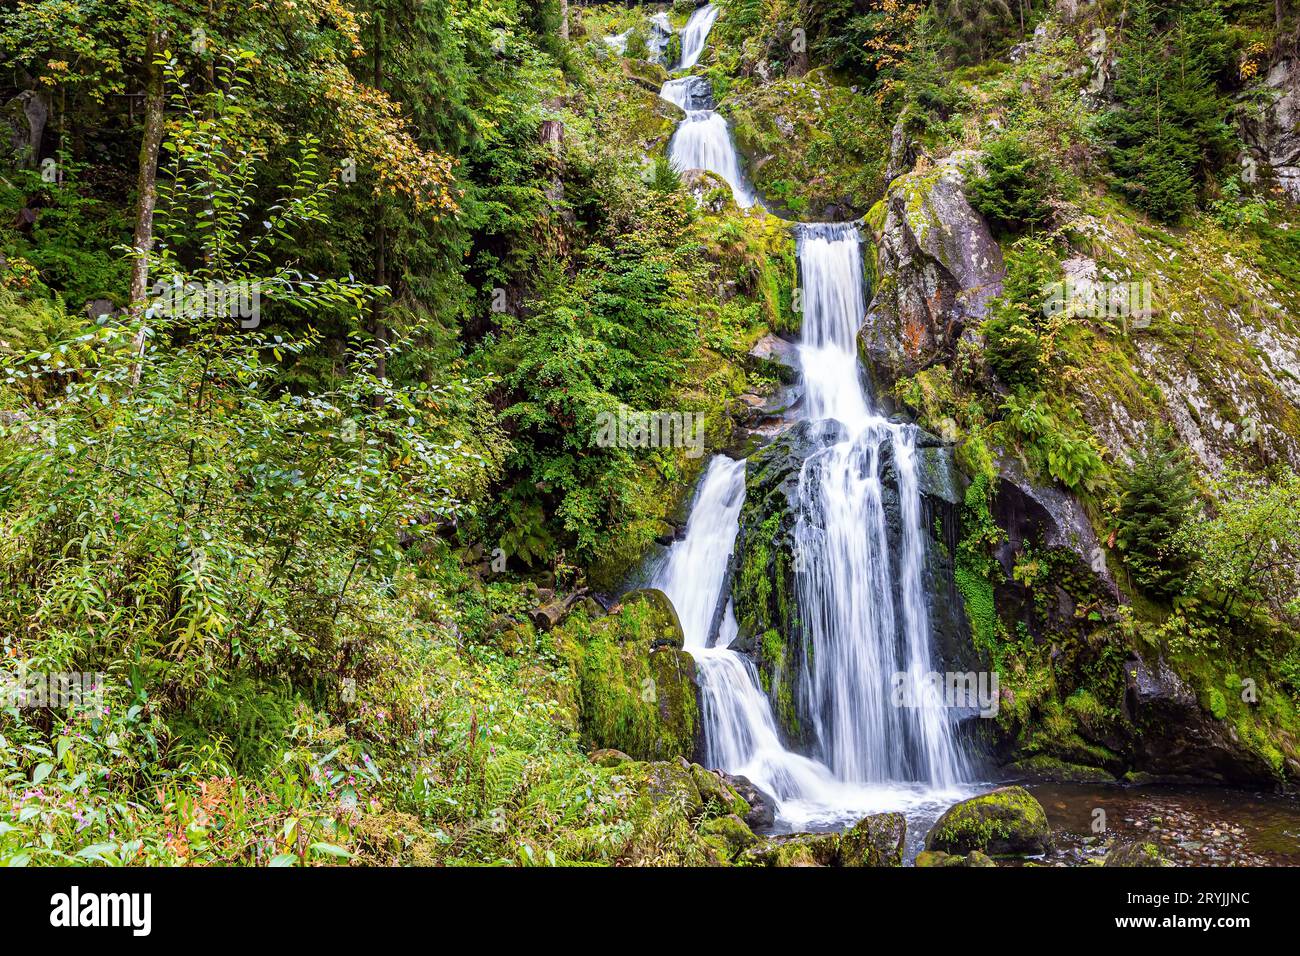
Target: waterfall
pixel 861 596
pixel 695 34
pixel 860 557
pixel 740 731
pixel 703 141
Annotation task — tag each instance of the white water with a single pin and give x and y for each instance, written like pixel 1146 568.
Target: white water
pixel 695 33
pixel 862 592
pixel 703 141
pixel 861 587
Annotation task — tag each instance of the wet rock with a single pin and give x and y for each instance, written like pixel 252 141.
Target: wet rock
pixel 1007 821
pixel 1175 736
pixel 1136 854
pixel 762 809
pixel 874 841
pixel 778 353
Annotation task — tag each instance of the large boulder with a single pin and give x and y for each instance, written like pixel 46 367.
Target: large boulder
pixel 637 690
pixel 1006 822
pixel 1175 737
pixel 937 266
pixel 874 841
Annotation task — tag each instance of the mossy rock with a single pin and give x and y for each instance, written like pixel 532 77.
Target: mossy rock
pixel 608 757
pixel 669 782
pixel 1136 854
pixel 874 841
pixel 663 627
pixel 1042 767
pixel 637 688
pixel 729 835
pixel 796 849
pixel 1005 822
pixel 930 859
pixel 718 796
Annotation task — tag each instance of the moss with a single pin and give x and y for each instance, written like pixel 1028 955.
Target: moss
pixel 1006 821
pixel 637 690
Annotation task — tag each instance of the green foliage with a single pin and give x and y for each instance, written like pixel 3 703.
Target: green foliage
pixel 1248 544
pixel 975 568
pixel 1169 129
pixel 1012 192
pixel 1156 494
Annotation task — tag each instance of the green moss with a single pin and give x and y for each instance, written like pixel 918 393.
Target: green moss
pixel 637 690
pixel 1006 821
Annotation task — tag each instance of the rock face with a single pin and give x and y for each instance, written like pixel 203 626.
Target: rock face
pixel 1175 737
pixel 1273 134
pixel 937 266
pixel 1006 822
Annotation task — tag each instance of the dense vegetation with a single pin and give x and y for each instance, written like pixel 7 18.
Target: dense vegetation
pixel 302 543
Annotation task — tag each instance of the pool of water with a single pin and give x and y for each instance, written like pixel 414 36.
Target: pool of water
pixel 1193 826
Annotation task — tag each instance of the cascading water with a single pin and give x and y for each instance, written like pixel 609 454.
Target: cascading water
pixel 695 33
pixel 703 140
pixel 861 578
pixel 739 730
pixel 862 600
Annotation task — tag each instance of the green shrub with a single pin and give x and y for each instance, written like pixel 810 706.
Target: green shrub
pixel 1013 191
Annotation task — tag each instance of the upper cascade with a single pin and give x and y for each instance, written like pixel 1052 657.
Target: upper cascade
pixel 695 34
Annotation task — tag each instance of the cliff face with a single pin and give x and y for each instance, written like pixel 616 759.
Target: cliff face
pixel 937 266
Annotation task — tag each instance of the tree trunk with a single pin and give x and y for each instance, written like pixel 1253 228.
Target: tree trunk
pixel 147 190
pixel 564 19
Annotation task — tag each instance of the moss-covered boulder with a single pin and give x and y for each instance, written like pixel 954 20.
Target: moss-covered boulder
pixel 1136 854
pixel 637 691
pixel 729 835
pixel 930 859
pixel 1006 822
pixel 874 841
pixel 795 849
